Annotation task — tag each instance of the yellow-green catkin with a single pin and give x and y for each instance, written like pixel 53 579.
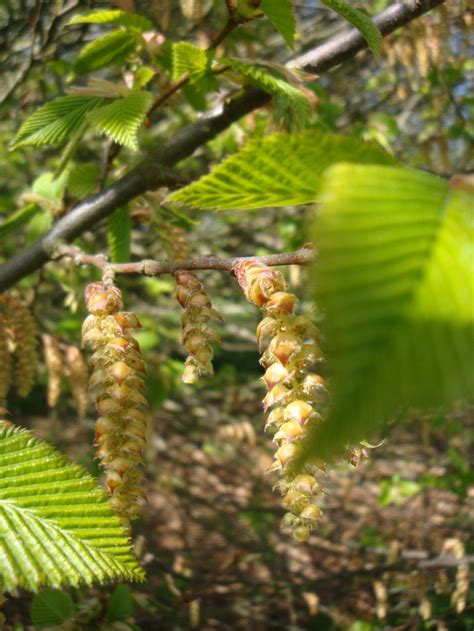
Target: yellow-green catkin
pixel 197 336
pixel 22 340
pixel 5 358
pixel 296 393
pixel 117 386
pixel 54 367
pixel 76 372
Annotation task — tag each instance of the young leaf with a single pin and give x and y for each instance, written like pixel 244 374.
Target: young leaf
pixel 280 13
pixel 18 219
pixel 50 608
pixel 106 50
pixel 82 179
pixel 122 119
pixel 115 17
pixel 55 121
pixel 288 95
pixel 394 280
pixel 362 23
pixel 281 170
pixel 120 605
pixel 57 526
pixel 188 59
pixel 119 235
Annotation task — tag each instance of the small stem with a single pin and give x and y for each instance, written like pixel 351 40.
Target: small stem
pixel 303 256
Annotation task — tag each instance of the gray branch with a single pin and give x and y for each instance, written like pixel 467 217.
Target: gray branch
pixel 154 170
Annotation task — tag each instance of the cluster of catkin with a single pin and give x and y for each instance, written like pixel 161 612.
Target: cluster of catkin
pixel 296 394
pixel 118 389
pixel 18 345
pixel 197 336
pixel 65 361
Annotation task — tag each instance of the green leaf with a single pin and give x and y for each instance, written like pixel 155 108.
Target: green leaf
pixel 50 608
pixel 82 179
pixel 280 170
pixel 56 525
pixel 120 605
pixel 361 21
pixel 55 121
pixel 116 17
pixel 106 50
pixel 18 219
pixel 280 13
pixel 119 235
pixel 122 119
pixel 50 188
pixel 188 59
pixel 394 280
pixel 289 95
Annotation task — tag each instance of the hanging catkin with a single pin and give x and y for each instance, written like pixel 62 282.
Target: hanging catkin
pixel 117 386
pixel 296 393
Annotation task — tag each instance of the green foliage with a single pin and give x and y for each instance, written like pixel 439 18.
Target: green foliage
pixel 280 170
pixel 82 179
pixel 18 219
pixel 121 604
pixel 122 119
pixel 287 95
pixel 115 17
pixel 188 59
pixel 119 235
pixel 394 279
pixel 57 526
pixel 55 121
pixel 50 608
pixel 107 50
pixel 280 13
pixel 361 21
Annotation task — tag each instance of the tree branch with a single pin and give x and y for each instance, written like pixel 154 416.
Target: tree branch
pixel 303 256
pixel 154 170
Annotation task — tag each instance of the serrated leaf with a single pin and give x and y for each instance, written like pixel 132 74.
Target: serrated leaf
pixel 120 605
pixel 188 59
pixel 119 235
pixel 143 77
pixel 394 280
pixel 361 21
pixel 289 95
pixel 122 119
pixel 280 170
pixel 50 608
pixel 106 50
pixel 82 179
pixel 57 527
pixel 280 13
pixel 55 121
pixel 116 17
pixel 18 219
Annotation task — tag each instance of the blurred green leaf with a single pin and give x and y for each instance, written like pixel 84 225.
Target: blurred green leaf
pixel 107 50
pixel 280 13
pixel 18 219
pixel 361 21
pixel 394 280
pixel 51 607
pixel 119 231
pixel 120 605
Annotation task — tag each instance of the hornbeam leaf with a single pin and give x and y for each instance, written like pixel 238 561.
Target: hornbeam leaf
pixel 55 121
pixel 56 525
pixel 393 278
pixel 106 50
pixel 119 231
pixel 280 13
pixel 280 170
pixel 122 119
pixel 116 17
pixel 18 219
pixel 190 59
pixel 361 21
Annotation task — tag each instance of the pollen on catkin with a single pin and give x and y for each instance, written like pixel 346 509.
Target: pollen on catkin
pixel 197 336
pixel 117 386
pixel 296 393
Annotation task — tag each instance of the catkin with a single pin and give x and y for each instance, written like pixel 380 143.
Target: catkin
pixel 296 394
pixel 54 366
pixel 5 358
pixel 197 336
pixel 117 386
pixel 76 373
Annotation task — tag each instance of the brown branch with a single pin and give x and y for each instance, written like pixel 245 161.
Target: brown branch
pixel 303 256
pixel 154 170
